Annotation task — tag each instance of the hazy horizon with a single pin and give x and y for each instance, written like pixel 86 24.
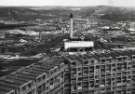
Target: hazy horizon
pixel 72 3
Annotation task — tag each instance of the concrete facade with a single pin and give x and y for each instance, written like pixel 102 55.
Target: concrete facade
pixel 103 73
pixel 93 73
pixel 47 77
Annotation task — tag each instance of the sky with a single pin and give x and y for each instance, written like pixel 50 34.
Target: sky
pixel 127 3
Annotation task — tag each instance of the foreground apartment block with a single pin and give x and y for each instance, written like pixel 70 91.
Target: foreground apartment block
pixel 103 73
pixel 46 77
pixel 110 72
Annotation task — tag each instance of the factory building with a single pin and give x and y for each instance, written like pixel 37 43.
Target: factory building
pixel 102 73
pixel 77 41
pixel 78 46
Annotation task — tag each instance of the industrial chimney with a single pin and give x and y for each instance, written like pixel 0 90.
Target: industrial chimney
pixel 71 26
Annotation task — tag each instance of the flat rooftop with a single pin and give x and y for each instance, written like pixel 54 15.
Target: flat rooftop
pixel 28 73
pixel 102 53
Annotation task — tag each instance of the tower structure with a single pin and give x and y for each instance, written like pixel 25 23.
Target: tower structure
pixel 77 42
pixel 71 25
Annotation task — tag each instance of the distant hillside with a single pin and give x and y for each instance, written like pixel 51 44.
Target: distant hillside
pixel 110 13
pixel 32 13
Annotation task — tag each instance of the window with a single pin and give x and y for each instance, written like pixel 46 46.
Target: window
pixel 108 67
pixel 91 83
pixel 133 57
pixel 73 87
pixel 12 93
pixel 29 85
pixel 109 59
pixel 102 66
pixel 133 66
pixel 86 62
pixel 30 92
pixel 80 79
pixel 113 65
pixel 39 90
pixel 125 57
pixel 103 60
pixel 119 59
pixel 97 67
pixel 39 79
pixel 85 84
pixel 79 84
pixel 44 76
pixel 73 63
pixel 103 81
pixel 51 81
pixel 24 88
pixel 92 61
pixel 79 69
pixel 80 74
pixel 91 69
pixel 80 93
pixel 85 70
pixel 85 73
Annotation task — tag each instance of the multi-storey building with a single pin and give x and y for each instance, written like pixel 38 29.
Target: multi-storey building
pixel 111 72
pixel 102 73
pixel 46 77
pixel 6 90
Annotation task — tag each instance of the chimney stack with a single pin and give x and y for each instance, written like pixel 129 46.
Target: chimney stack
pixel 71 25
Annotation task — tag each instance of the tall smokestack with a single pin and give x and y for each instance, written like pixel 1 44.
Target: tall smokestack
pixel 71 25
pixel 40 36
